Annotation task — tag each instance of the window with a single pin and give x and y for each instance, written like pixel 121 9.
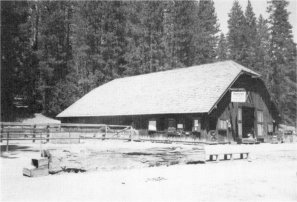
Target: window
pixel 260 129
pixel 239 121
pixel 197 125
pixel 270 127
pixel 223 125
pixel 152 125
pixel 239 114
pixel 259 123
pixel 260 116
pixel 171 123
pixel 180 126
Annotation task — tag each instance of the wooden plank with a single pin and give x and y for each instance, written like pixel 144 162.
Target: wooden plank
pixel 19 130
pixel 35 172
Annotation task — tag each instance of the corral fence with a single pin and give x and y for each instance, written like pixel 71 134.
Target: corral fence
pixel 75 133
pixel 62 133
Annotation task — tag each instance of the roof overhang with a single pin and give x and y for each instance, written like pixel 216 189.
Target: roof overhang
pixel 229 87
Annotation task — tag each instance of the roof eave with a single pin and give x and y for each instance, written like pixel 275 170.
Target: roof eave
pixel 239 74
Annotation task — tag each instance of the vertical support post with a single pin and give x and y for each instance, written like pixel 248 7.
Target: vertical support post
pixel 131 138
pixel 34 135
pixel 7 140
pixel 47 133
pixel 40 141
pixel 1 132
pixel 105 132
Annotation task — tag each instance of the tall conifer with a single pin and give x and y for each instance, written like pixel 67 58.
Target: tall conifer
pixel 250 36
pixel 205 35
pixel 236 36
pixel 283 60
pixel 222 49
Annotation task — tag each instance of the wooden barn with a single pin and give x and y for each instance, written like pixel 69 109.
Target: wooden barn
pixel 221 100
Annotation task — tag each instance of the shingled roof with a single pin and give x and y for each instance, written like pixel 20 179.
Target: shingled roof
pixel 193 89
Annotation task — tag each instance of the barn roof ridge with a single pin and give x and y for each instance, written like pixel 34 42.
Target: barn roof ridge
pixel 236 65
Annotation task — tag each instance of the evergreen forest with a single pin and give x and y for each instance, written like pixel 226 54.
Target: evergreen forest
pixel 54 52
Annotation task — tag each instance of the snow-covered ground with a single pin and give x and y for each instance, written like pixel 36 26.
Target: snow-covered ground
pixel 270 175
pixel 40 119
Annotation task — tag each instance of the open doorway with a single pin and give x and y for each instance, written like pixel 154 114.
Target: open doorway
pixel 248 120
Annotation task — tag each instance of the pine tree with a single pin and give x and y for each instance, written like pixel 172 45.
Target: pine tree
pixel 222 49
pixel 205 36
pixel 54 48
pixel 18 62
pixel 184 14
pixel 261 64
pixel 250 36
pixel 170 59
pixel 144 30
pixel 99 43
pixel 236 36
pixel 283 60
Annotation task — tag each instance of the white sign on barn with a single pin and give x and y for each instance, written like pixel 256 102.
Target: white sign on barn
pixel 238 96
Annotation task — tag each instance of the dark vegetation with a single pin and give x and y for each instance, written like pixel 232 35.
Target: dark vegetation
pixel 53 52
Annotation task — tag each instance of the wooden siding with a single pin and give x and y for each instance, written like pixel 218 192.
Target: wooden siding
pixel 257 98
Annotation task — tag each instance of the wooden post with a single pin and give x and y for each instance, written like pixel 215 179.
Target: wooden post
pixel 34 135
pixel 47 133
pixel 131 138
pixel 1 133
pixel 40 143
pixel 105 133
pixel 7 142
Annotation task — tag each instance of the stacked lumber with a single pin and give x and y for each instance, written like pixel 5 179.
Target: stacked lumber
pixel 249 141
pixel 170 156
pixel 39 167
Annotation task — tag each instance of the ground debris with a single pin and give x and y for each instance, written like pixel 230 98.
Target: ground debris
pixel 155 179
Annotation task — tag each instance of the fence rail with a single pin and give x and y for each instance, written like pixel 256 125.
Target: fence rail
pixel 12 131
pixel 61 133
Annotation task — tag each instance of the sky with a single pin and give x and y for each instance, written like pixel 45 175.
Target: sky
pixel 223 8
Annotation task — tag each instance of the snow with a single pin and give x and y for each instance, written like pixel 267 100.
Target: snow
pixel 40 119
pixel 270 175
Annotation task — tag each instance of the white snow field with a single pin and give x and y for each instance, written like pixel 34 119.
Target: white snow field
pixel 269 175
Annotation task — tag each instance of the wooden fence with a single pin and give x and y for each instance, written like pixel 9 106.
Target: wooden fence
pixel 74 133
pixel 59 133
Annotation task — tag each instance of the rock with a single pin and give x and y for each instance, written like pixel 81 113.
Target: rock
pixel 45 153
pixel 54 165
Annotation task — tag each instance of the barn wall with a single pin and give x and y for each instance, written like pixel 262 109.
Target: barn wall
pixel 258 98
pixel 140 122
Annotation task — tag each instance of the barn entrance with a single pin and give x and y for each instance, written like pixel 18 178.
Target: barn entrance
pixel 248 120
